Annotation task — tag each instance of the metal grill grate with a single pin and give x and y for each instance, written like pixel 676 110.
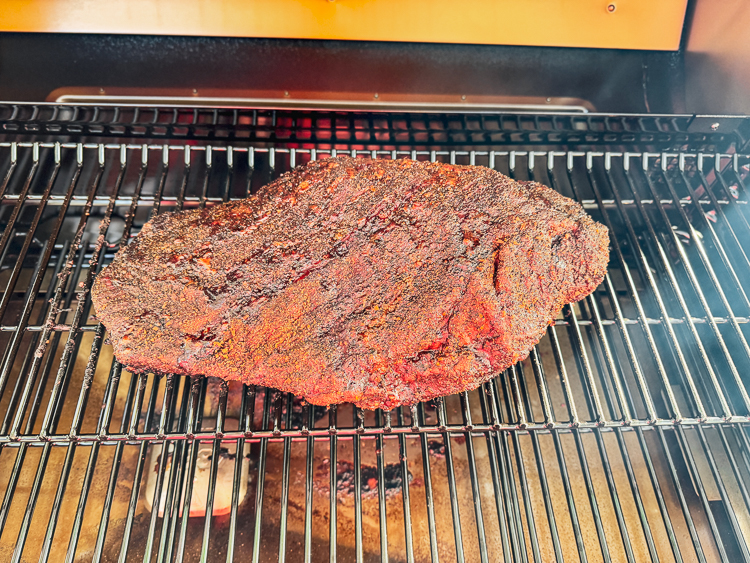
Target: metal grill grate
pixel 623 436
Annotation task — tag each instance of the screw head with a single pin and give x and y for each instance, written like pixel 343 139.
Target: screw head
pixel 286 93
pixel 714 126
pixel 463 97
pixel 611 8
pixel 376 95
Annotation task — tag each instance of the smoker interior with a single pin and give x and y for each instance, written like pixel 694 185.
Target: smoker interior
pixel 623 436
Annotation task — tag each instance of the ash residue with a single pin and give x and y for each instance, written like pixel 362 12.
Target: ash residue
pixel 436 449
pixel 392 482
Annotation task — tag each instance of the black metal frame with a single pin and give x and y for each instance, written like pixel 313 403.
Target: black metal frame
pixel 642 386
pixel 370 130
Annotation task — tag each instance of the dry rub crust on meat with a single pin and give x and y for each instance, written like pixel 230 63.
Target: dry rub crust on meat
pixel 374 282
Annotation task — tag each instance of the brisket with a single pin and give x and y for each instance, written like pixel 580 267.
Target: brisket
pixel 376 282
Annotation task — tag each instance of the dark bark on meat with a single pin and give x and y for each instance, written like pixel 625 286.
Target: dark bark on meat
pixel 373 282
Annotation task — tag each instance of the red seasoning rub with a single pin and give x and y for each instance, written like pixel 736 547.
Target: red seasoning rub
pixel 375 282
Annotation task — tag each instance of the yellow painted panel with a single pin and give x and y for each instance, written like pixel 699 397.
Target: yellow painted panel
pixel 621 24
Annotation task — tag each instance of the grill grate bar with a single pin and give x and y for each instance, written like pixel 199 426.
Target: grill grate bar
pixel 31 505
pixel 703 301
pixel 285 482
pixel 694 473
pixel 707 225
pixel 644 267
pixel 675 287
pixel 83 498
pixel 382 521
pixel 260 481
pixel 722 488
pixel 75 427
pixel 236 480
pixel 405 497
pixel 675 306
pixel 523 482
pixel 683 502
pixel 450 470
pixel 488 396
pixel 73 342
pixel 359 422
pixel 333 483
pixel 624 534
pixel 21 454
pixel 114 471
pixel 731 200
pixel 8 231
pixel 544 484
pixel 419 416
pixel 309 484
pixel 173 504
pixel 15 342
pixel 18 406
pixel 663 510
pixel 725 302
pixel 143 451
pixel 347 434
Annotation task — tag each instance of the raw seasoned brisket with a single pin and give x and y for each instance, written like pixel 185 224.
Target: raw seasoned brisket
pixel 375 282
